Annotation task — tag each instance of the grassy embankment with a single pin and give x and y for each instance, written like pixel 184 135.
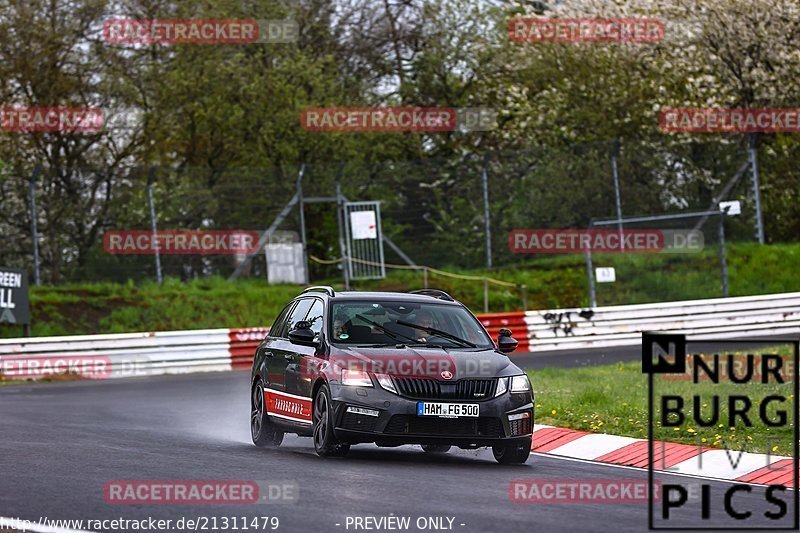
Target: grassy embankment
pixel 552 282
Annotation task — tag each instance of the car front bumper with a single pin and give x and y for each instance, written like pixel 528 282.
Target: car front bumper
pixel 397 421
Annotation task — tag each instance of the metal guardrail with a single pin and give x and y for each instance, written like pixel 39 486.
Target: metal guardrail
pixel 129 354
pixel 564 329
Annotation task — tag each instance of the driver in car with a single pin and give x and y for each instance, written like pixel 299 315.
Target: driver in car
pixel 423 318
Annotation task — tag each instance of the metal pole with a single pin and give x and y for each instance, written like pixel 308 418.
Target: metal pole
pixel 154 228
pixel 485 295
pixel 524 289
pixel 590 277
pixel 722 257
pixel 614 154
pixel 487 223
pixel 302 219
pixel 342 251
pixel 425 277
pixel 756 189
pixel 34 231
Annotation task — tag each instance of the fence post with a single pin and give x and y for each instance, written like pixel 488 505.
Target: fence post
pixel 342 249
pixel 487 222
pixel 614 154
pixel 34 230
pixel 153 226
pixel 301 206
pixel 756 188
pixel 723 260
pixel 590 277
pixel 524 289
pixel 485 295
pixel 424 277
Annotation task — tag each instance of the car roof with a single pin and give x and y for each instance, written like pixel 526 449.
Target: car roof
pixel 380 295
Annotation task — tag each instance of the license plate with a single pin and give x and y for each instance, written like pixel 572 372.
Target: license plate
pixel 449 410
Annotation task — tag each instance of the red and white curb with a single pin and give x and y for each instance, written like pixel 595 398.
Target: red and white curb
pixel 669 457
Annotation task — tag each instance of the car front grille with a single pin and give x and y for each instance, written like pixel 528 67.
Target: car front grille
pixel 444 427
pixel 432 389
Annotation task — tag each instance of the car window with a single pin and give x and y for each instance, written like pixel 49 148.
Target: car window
pixel 359 322
pixel 299 312
pixel 278 329
pixel 315 316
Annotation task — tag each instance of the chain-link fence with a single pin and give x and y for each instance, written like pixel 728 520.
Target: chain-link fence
pixel 451 213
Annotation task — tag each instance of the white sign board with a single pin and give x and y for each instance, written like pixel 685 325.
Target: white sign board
pixel 363 224
pixel 605 275
pixel 285 263
pixel 734 207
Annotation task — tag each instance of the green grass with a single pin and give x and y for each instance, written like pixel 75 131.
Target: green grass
pixel 114 308
pixel 613 399
pixel 552 282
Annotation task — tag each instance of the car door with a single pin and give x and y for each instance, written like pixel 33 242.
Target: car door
pixel 299 374
pixel 282 404
pixel 272 347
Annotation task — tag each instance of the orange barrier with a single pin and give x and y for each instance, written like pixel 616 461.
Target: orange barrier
pixel 494 322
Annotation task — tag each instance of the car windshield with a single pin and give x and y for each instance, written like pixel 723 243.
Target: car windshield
pixel 411 323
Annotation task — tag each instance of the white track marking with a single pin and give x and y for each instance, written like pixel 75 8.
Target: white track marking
pixel 720 464
pixel 593 446
pixel 643 471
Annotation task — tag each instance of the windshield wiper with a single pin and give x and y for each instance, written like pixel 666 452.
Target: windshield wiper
pixel 393 335
pixel 381 345
pixel 440 333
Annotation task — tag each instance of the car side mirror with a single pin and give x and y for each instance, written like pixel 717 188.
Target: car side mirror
pixel 505 342
pixel 302 334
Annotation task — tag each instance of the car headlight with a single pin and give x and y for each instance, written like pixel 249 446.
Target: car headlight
pixel 386 382
pixel 502 387
pixel 356 378
pixel 520 384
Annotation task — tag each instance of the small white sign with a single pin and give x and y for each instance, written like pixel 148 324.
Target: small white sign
pixel 363 225
pixel 605 274
pixel 734 207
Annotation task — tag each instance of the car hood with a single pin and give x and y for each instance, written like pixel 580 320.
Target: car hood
pixel 435 363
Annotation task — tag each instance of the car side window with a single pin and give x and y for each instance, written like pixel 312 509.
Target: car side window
pixel 278 329
pixel 315 317
pixel 299 312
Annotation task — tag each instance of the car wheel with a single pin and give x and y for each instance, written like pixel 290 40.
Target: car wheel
pixel 325 442
pixel 435 448
pixel 263 431
pixel 512 454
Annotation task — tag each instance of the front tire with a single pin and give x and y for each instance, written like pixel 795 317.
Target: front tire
pixel 262 430
pixel 325 442
pixel 512 454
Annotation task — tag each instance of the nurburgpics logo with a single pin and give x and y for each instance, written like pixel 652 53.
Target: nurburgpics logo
pixel 733 416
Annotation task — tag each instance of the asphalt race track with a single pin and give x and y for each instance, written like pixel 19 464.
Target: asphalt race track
pixel 62 442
